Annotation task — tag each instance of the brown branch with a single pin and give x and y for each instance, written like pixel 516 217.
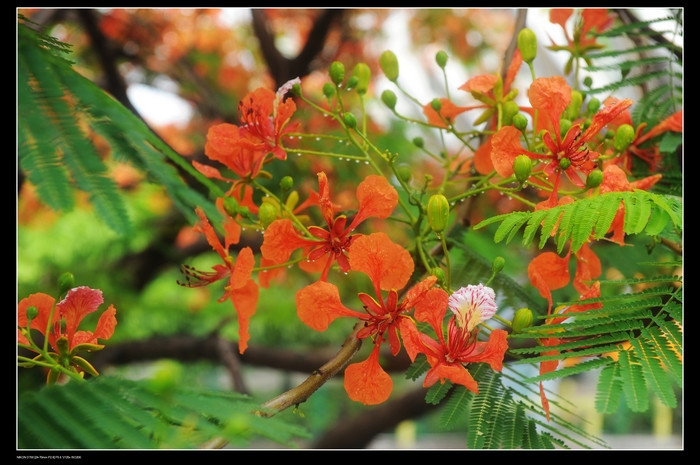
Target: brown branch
pixel 229 357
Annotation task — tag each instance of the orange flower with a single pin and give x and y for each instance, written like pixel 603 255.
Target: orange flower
pixel 377 198
pixel 64 336
pixel 651 154
pixel 591 21
pixel 389 266
pixel 447 356
pixel 265 116
pixel 241 288
pixel 570 154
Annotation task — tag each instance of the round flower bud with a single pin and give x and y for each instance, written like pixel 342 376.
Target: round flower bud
pixel 593 105
pixel 267 213
pixel 564 163
pixel 588 81
pixel 32 312
pixel 350 120
pixel 245 213
pixel 519 121
pixel 286 183
pixel 510 109
pixel 389 99
pixel 522 168
pixel 66 282
pixel 527 43
pixel 594 179
pixel 574 108
pixel 328 90
pixel 441 58
pixel 352 82
pixel 623 136
pixel 418 142
pixel 337 72
pixel 438 212
pixel 231 206
pixel 389 64
pixel 439 273
pixel 363 75
pixel 522 319
pixel 436 104
pixel 296 89
pixel 498 264
pixel 404 173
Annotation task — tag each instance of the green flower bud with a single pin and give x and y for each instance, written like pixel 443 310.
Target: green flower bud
pixel 564 126
pixel 337 72
pixel 231 206
pixel 404 172
pixel 519 121
pixel 438 212
pixel 32 312
pixel 594 179
pixel 350 120
pixel 572 111
pixel 522 319
pixel 439 273
pixel 389 99
pixel 363 74
pixel 527 43
pixel 389 64
pixel 593 106
pixel 286 183
pixel 436 104
pixel 418 142
pixel 267 213
pixel 328 90
pixel 564 163
pixel 441 58
pixel 510 109
pixel 66 282
pixel 588 81
pixel 522 168
pixel 623 137
pixel 245 213
pixel 296 90
pixel 498 264
pixel 352 82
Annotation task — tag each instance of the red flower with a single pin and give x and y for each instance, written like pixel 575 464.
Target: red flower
pixel 377 198
pixel 241 288
pixel 264 116
pixel 447 356
pixel 389 266
pixel 591 20
pixel 64 336
pixel 571 155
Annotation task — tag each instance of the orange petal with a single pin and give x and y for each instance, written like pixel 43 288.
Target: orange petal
pixel 431 309
pixel 367 382
pixel 512 71
pixel 588 268
pixel 266 276
pixel 483 83
pixel 280 240
pixel 547 272
pixel 377 198
pixel 318 304
pixel 492 351
pixel 208 230
pixel 551 96
pixel 591 292
pixel 604 116
pixel 505 146
pixel 78 303
pixel 388 265
pixel 232 229
pixel 646 183
pixel 448 110
pixel 482 158
pixel 245 301
pixel 614 180
pixel 560 16
pixel 456 373
pixel 106 323
pixel 543 399
pixel 411 337
pixel 43 303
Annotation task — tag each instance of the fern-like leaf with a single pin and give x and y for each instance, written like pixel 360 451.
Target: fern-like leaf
pixel 572 370
pixel 609 390
pixel 654 373
pixel 456 407
pixel 437 392
pixel 633 384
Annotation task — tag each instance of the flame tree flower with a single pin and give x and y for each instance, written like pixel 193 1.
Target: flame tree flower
pixel 376 197
pixel 243 149
pixel 449 354
pixel 241 288
pixel 570 154
pixel 389 267
pixel 63 334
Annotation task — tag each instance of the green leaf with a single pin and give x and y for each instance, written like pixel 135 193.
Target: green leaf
pixel 654 373
pixel 437 392
pixel 572 370
pixel 609 390
pixel 456 407
pixel 633 385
